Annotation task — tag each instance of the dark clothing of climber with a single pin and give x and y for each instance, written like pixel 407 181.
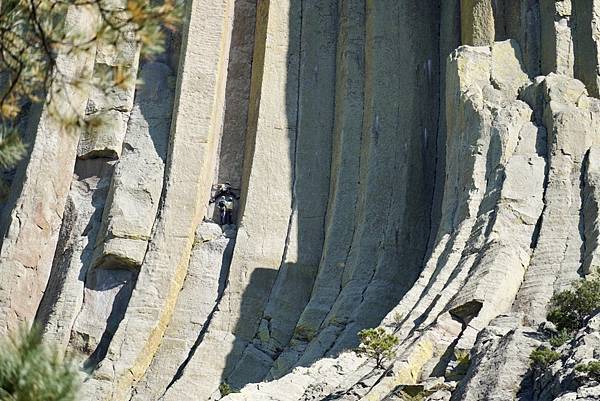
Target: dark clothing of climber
pixel 225 198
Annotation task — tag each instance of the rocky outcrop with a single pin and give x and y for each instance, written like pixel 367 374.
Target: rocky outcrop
pixel 398 165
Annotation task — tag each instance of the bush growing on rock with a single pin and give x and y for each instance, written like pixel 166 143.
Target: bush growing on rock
pixel 226 389
pixel 377 344
pixel 32 371
pixel 543 357
pixel 559 339
pixel 592 369
pixel 570 308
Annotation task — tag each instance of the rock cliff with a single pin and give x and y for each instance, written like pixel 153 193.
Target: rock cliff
pixel 432 168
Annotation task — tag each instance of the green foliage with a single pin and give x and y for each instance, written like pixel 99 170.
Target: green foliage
pixel 377 344
pixel 543 357
pixel 559 339
pixel 226 389
pixel 591 368
pixel 31 371
pixel 12 148
pixel 569 309
pixel 33 35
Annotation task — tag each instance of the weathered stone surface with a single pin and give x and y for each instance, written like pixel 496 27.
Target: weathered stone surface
pixel 63 298
pixel 138 179
pixel 591 212
pixel 188 178
pixel 499 362
pixel 561 381
pixel 477 22
pixel 586 15
pixel 571 119
pixel 204 284
pixel 557 53
pixel 362 204
pixel 32 218
pixel 108 110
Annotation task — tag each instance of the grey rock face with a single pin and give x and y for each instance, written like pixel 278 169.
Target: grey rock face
pixel 388 176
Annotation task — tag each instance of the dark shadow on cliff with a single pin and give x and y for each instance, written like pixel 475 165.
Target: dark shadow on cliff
pixel 119 282
pixel 72 229
pixel 292 287
pixel 258 343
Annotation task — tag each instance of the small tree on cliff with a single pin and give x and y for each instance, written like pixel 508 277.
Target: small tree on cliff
pixel 33 33
pixel 570 308
pixel 377 344
pixel 32 371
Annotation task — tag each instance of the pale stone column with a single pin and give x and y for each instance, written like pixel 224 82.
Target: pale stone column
pixel 557 39
pixel 477 22
pixel 196 126
pixel 31 226
pixel 266 206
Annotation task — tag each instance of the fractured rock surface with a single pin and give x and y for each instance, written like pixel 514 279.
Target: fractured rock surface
pixel 399 165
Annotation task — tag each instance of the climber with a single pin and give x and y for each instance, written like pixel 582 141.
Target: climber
pixel 225 198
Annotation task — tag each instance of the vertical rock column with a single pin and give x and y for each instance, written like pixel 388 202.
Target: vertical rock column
pixel 110 107
pixel 586 15
pixel 203 287
pixel 138 179
pixel 310 191
pixel 64 294
pixel 119 247
pixel 30 230
pixel 557 39
pixel 591 212
pixel 266 204
pixel 477 22
pixel 572 121
pixel 345 167
pixel 190 165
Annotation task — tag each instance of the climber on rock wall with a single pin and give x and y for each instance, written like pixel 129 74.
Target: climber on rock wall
pixel 225 198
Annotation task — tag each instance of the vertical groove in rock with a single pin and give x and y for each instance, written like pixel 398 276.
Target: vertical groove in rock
pixel 190 166
pixel 345 164
pixel 231 153
pixel 557 38
pixel 310 189
pixel 586 40
pixel 266 200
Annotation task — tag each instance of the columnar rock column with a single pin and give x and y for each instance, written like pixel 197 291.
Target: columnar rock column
pixel 64 294
pixel 311 165
pixel 196 126
pixel 591 211
pixel 110 107
pixel 32 223
pixel 477 22
pixel 586 15
pixel 266 204
pixel 557 53
pixel 571 119
pixel 138 179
